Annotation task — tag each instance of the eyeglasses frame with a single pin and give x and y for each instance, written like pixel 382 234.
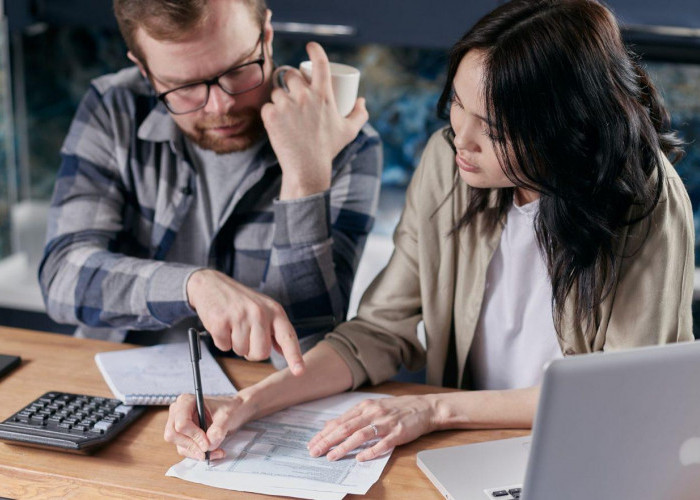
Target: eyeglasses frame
pixel 215 80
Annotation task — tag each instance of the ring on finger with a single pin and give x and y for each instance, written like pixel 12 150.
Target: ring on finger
pixel 279 77
pixel 374 429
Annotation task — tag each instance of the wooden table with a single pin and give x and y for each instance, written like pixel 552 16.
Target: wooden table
pixel 134 465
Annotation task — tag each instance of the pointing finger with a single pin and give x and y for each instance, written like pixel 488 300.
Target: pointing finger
pixel 286 338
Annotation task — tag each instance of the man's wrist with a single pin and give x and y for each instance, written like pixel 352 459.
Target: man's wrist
pixel 167 292
pixel 194 282
pixel 295 187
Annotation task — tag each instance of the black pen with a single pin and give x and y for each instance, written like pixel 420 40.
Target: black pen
pixel 195 356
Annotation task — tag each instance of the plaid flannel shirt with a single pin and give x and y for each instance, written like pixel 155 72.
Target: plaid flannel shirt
pixel 124 188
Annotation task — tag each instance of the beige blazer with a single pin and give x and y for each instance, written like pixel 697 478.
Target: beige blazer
pixel 440 279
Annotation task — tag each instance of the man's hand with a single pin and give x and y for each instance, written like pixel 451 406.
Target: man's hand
pixel 305 128
pixel 242 319
pixel 224 415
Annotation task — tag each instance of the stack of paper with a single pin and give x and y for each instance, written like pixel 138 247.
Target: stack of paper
pixel 269 456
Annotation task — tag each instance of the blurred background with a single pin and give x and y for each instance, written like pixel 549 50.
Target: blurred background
pixel 51 49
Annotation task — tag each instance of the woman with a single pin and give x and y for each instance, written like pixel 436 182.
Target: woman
pixel 545 221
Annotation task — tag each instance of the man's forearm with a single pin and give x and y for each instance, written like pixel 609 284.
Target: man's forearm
pixel 326 374
pixel 143 294
pixel 301 273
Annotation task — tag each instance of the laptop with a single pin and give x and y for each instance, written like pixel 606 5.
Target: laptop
pixel 620 425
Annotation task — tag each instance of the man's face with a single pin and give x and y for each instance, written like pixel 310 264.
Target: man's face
pixel 229 37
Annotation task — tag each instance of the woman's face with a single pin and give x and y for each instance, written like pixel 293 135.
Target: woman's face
pixel 476 156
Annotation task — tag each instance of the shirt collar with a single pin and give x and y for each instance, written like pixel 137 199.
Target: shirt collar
pixel 159 126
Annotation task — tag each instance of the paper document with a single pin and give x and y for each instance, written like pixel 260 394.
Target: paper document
pixel 269 456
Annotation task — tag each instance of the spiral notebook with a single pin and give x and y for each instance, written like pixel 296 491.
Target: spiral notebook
pixel 157 375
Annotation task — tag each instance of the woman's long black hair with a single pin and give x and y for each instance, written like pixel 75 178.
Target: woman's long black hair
pixel 576 119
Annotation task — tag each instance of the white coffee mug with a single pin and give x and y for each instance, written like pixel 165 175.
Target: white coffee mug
pixel 345 81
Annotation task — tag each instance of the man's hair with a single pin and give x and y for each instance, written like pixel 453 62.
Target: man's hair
pixel 169 20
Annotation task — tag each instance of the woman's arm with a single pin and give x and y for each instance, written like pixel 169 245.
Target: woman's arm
pixel 654 294
pixel 511 409
pixel 326 374
pixel 397 420
pixel 403 419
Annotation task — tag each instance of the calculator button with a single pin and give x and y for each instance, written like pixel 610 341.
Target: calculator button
pixel 123 409
pixel 104 426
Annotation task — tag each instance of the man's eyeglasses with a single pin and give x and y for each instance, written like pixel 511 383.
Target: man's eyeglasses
pixel 236 80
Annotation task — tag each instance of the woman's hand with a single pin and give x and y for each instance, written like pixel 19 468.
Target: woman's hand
pixel 223 414
pixel 396 420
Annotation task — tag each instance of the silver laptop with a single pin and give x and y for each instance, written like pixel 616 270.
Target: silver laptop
pixel 622 425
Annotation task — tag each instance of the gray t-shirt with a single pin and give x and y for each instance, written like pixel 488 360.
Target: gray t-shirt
pixel 218 178
pixel 217 181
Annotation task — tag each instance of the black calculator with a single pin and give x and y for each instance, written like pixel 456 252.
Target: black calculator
pixel 68 422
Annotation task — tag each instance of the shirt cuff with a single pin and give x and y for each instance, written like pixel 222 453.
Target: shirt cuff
pixel 167 293
pixel 303 221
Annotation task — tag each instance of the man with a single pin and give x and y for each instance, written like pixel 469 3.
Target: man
pixel 192 190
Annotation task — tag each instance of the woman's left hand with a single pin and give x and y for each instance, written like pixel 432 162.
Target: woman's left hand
pixel 393 421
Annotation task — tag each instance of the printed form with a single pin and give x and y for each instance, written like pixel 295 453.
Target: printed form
pixel 269 456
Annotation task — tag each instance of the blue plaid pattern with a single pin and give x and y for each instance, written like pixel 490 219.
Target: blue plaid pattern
pixel 124 188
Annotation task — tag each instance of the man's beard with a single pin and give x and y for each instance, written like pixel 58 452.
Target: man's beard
pixel 252 129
